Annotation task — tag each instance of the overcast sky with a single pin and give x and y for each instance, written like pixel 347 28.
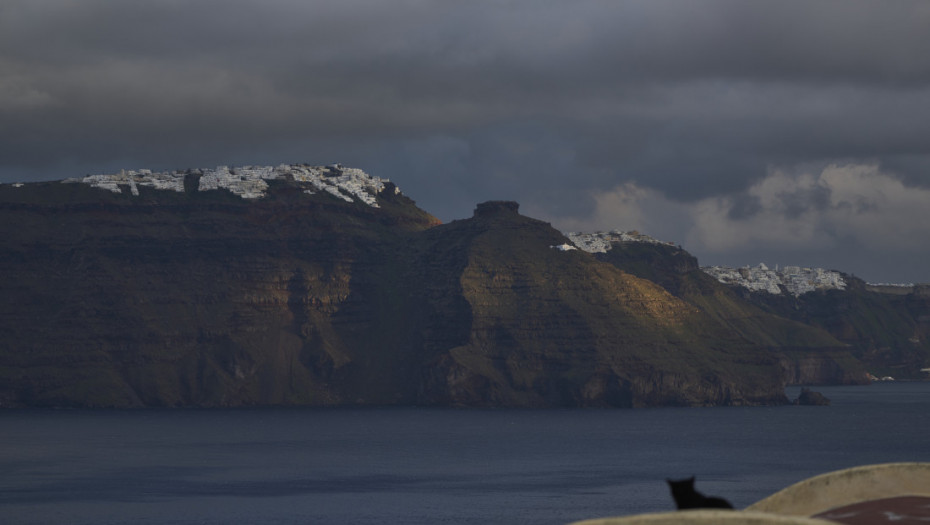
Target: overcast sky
pixel 789 132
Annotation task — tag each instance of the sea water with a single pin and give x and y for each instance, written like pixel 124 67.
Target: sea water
pixel 419 466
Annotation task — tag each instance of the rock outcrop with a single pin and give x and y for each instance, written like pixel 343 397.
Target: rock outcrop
pixel 810 398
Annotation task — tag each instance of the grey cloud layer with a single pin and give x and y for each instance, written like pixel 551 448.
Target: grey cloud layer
pixel 550 103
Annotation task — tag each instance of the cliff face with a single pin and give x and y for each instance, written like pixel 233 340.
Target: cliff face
pixel 195 298
pixel 836 367
pixel 298 296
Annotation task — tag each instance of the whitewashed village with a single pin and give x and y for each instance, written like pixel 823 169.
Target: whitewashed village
pixel 600 242
pixel 249 182
pixel 795 280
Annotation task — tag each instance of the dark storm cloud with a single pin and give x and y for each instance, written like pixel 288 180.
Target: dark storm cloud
pixel 549 103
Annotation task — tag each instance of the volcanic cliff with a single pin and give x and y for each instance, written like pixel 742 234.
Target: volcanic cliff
pixel 303 285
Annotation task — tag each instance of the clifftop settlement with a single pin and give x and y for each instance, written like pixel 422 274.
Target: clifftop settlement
pixel 795 280
pixel 249 182
pixel 600 242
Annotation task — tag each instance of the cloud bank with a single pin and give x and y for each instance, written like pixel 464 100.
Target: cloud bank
pixel 722 112
pixel 796 218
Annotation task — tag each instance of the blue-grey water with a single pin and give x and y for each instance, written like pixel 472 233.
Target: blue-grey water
pixel 418 466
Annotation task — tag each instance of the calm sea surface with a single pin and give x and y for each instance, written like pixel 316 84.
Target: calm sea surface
pixel 418 466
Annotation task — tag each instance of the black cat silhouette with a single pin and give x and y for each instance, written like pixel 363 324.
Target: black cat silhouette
pixel 688 498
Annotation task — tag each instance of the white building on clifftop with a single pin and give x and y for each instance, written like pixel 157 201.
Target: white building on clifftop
pixel 791 279
pixel 250 182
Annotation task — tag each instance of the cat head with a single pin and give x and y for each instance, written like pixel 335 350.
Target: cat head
pixel 681 485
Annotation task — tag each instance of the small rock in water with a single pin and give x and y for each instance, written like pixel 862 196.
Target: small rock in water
pixel 809 397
